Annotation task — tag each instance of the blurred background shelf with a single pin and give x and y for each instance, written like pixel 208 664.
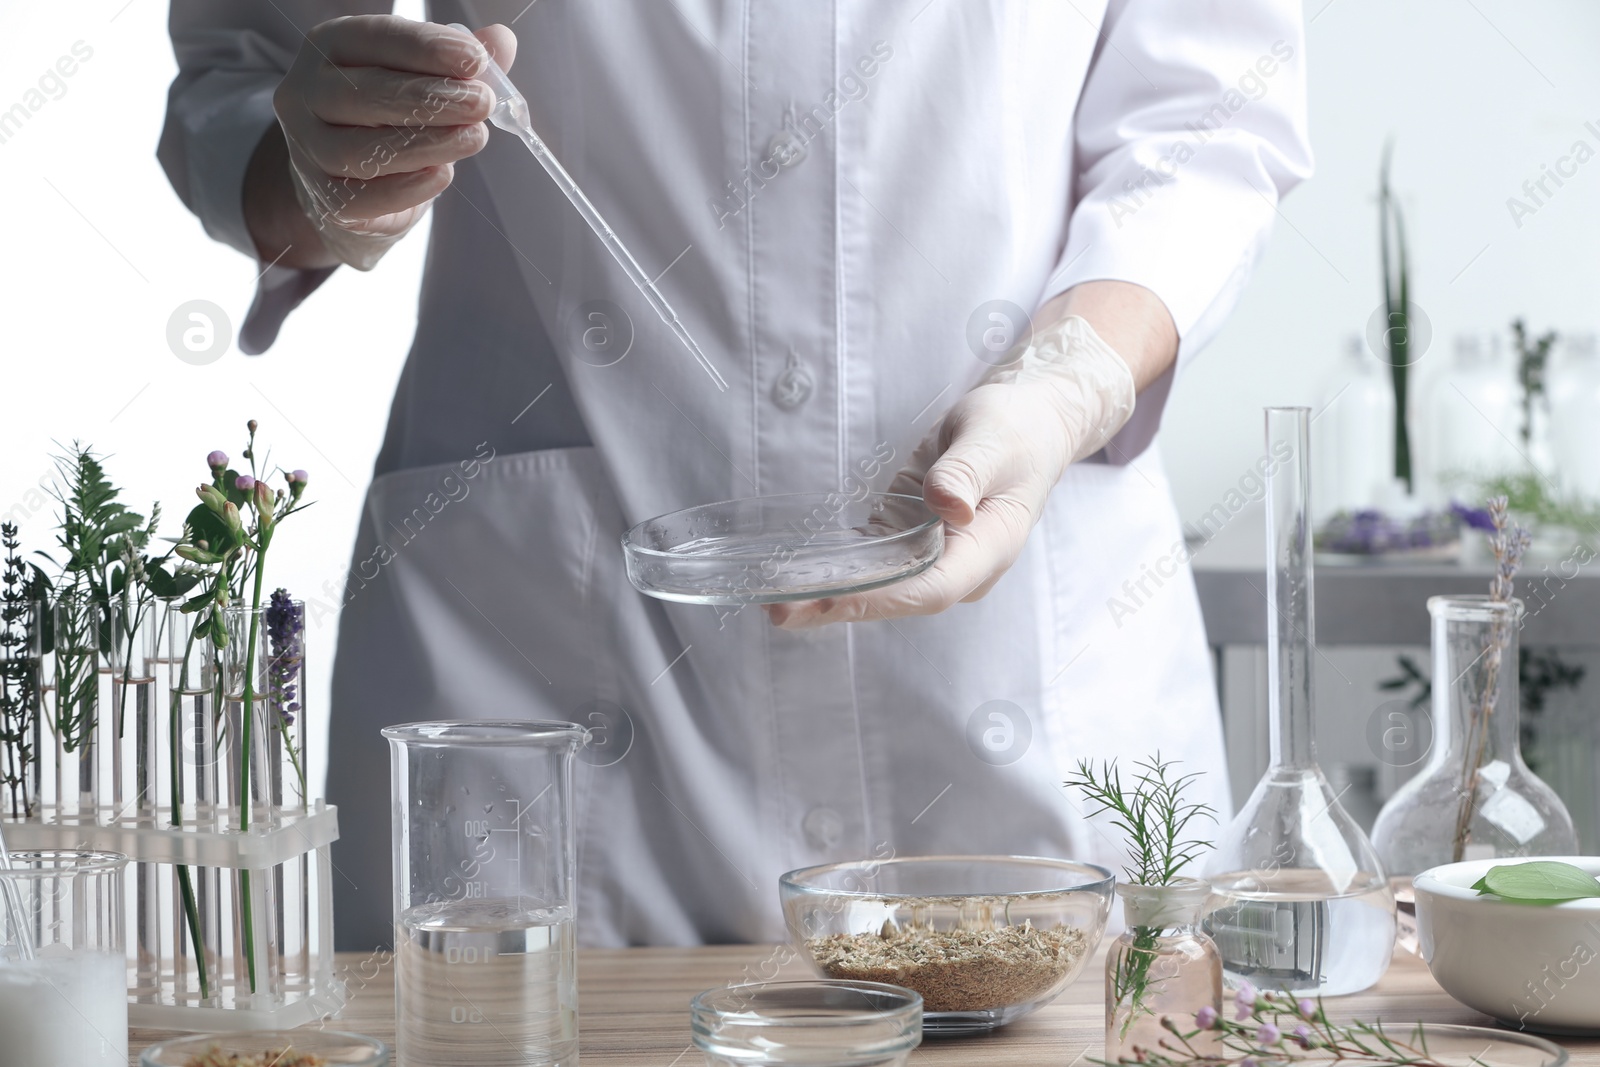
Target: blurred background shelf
pixel 1367 617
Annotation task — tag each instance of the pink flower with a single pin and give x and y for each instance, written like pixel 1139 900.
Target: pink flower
pixel 1206 1017
pixel 1302 1036
pixel 217 459
pixel 1308 1008
pixel 1268 1035
pixel 244 483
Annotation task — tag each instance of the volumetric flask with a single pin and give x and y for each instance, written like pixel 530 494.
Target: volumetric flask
pixel 484 876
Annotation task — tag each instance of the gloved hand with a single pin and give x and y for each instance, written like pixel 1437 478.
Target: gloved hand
pixel 376 109
pixel 989 466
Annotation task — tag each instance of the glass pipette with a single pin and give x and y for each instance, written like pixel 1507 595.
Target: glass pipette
pixel 511 114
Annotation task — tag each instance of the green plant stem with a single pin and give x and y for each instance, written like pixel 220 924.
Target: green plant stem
pixel 186 886
pixel 1131 982
pixel 247 718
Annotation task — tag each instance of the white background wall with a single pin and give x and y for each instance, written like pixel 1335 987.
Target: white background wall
pixel 1478 94
pixel 98 252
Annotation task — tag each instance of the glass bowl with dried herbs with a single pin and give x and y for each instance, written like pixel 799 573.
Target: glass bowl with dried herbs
pixel 984 939
pixel 269 1048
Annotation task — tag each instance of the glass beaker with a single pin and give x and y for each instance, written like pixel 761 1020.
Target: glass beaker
pixel 63 976
pixel 1162 966
pixel 1300 902
pixel 484 876
pixel 1476 798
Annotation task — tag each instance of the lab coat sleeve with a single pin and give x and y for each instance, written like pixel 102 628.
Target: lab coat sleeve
pixel 231 55
pixel 1191 127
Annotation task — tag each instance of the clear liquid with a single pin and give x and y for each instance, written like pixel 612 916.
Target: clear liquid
pixel 789 564
pixel 1278 932
pixel 1405 907
pixel 489 983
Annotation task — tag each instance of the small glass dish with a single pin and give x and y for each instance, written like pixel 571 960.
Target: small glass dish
pixel 278 1048
pixel 818 1024
pixel 984 939
pixel 771 549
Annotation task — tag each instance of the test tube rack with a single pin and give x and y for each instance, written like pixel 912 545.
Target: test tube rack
pixel 286 853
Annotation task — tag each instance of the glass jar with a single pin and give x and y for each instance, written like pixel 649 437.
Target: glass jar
pixel 1475 798
pixel 1479 385
pixel 1161 966
pixel 1355 435
pixel 1574 398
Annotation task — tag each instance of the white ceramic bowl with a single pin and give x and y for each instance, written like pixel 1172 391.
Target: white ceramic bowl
pixel 1534 967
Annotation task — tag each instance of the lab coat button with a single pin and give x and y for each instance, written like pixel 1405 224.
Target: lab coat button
pixel 785 149
pixel 794 384
pixel 823 827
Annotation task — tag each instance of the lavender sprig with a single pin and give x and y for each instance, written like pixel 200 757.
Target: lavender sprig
pixel 286 627
pixel 1275 1028
pixel 1509 541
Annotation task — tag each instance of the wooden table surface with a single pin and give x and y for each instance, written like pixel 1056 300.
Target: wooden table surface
pixel 635 1008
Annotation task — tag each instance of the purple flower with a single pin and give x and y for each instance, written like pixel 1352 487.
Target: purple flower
pixel 286 627
pixel 1268 1035
pixel 217 459
pixel 1308 1008
pixel 244 483
pixel 1248 1061
pixel 1302 1036
pixel 1206 1017
pixel 1245 999
pixel 1476 518
pixel 299 476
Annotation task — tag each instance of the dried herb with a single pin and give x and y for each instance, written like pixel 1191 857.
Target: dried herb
pixel 1509 542
pixel 1155 819
pixel 956 970
pixel 286 1057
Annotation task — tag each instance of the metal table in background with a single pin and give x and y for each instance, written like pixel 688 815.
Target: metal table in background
pixel 1382 605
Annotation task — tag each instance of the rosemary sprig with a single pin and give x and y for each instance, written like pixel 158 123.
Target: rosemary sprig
pixel 1155 819
pixel 1153 815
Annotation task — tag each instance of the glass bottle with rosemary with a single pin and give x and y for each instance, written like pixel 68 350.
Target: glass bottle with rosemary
pixel 1162 965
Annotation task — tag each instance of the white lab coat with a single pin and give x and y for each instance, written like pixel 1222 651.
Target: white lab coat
pixel 829 192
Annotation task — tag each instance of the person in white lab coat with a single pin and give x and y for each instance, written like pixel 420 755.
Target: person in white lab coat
pixel 850 205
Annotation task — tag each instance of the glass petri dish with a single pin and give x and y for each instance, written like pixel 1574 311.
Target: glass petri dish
pixel 285 1048
pixel 819 1024
pixel 771 549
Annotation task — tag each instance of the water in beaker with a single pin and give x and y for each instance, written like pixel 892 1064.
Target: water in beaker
pixel 485 948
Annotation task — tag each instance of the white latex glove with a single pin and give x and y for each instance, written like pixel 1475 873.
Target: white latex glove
pixel 989 466
pixel 376 109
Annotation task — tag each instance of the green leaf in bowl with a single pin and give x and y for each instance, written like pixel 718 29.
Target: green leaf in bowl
pixel 1538 882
